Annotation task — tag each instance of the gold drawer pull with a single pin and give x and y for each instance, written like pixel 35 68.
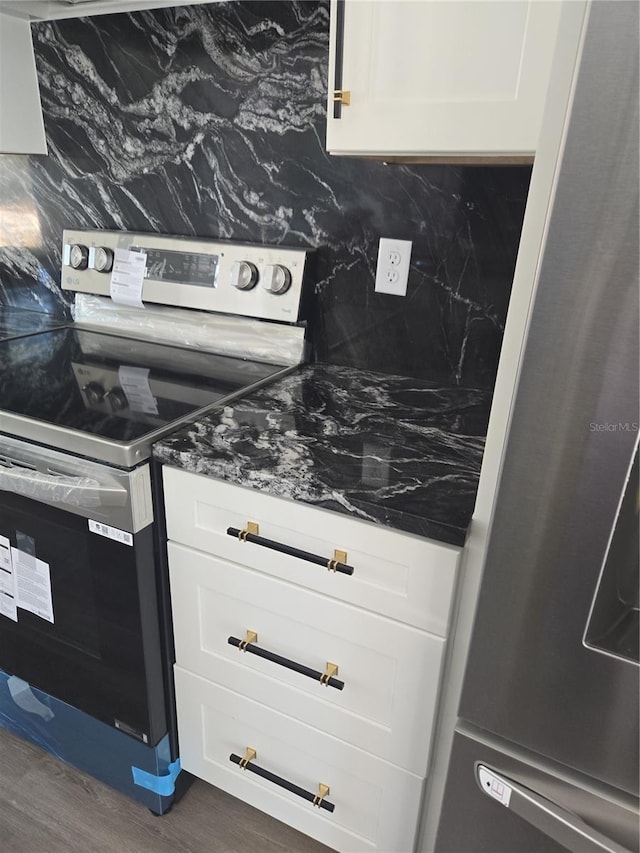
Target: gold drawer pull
pixel 342 96
pixel 323 790
pixel 249 755
pixel 330 671
pixel 250 637
pixel 339 556
pixel 252 528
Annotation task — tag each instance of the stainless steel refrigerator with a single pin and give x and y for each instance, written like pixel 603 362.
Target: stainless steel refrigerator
pixel 545 754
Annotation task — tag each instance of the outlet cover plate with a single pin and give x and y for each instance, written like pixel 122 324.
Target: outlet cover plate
pixel 392 272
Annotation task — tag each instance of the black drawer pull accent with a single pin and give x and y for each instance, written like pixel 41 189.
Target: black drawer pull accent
pixel 289 664
pixel 333 565
pixel 337 76
pixel 316 799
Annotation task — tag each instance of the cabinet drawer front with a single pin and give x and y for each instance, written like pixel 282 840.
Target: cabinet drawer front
pixel 375 803
pixel 398 575
pixel 388 669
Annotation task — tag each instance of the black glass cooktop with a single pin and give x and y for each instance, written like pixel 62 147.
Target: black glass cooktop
pixel 15 322
pixel 58 384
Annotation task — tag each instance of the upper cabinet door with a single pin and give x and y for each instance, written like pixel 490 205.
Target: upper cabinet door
pixel 439 77
pixel 21 123
pixel 58 9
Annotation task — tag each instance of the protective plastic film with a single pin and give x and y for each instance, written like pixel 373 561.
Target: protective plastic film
pixel 239 337
pixel 55 489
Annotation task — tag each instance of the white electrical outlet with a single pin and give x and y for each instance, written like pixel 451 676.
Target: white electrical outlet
pixel 392 271
pixel 375 465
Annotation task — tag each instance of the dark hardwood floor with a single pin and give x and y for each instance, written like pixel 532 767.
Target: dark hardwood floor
pixel 47 806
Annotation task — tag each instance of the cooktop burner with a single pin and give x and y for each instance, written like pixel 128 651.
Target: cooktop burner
pixel 108 397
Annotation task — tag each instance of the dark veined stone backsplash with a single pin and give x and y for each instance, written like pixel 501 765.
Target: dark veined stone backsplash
pixel 210 120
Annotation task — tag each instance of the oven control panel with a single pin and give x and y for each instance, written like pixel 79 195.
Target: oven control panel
pixel 246 279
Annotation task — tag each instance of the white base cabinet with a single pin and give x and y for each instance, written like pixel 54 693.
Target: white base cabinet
pixel 257 632
pixel 404 577
pixel 376 803
pixel 386 667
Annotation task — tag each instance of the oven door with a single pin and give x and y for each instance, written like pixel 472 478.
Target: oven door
pixel 78 594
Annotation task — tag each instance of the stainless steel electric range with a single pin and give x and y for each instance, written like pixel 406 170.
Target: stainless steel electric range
pixel 165 328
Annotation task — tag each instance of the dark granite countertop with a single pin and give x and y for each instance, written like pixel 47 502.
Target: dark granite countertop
pixel 396 451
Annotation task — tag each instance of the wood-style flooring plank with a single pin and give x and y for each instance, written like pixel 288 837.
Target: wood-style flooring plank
pixel 46 806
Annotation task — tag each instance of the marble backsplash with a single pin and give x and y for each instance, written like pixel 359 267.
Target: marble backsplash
pixel 210 120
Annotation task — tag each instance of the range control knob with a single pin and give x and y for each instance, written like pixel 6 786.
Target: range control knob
pixel 102 259
pixel 78 257
pixel 276 279
pixel 244 275
pixel 117 398
pixel 95 393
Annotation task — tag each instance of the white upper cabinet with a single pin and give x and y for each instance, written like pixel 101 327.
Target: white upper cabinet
pixel 21 123
pixel 56 9
pixel 441 78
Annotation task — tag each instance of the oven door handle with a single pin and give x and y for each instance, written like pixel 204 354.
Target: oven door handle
pixel 60 488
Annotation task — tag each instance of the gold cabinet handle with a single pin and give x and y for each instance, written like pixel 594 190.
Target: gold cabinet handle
pixel 342 96
pixel 249 755
pixel 331 670
pixel 250 637
pixel 323 790
pixel 252 528
pixel 339 557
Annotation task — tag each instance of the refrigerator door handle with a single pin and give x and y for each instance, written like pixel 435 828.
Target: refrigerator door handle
pixel 554 821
